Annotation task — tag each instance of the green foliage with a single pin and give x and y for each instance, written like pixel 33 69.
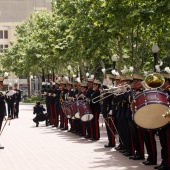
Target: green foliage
pixel 33 99
pixel 90 30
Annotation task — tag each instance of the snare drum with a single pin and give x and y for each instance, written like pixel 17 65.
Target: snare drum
pixel 67 110
pixel 76 105
pixel 148 107
pixel 85 112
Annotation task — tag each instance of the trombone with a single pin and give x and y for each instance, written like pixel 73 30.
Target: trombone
pixel 109 92
pixel 101 97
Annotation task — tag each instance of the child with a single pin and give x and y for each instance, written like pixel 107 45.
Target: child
pixel 40 116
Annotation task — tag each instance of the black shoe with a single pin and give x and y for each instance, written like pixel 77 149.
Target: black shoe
pixel 69 130
pixel 118 148
pixel 1 147
pixel 163 167
pixel 149 163
pixel 158 166
pixel 81 135
pixel 37 124
pixel 53 126
pixel 131 157
pixel 64 128
pixel 122 151
pixel 94 139
pixel 87 136
pixel 109 145
pixel 137 157
pixel 127 154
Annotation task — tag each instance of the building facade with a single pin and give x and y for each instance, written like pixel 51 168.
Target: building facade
pixel 12 13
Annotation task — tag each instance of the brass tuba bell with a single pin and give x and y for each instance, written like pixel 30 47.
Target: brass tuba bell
pixel 154 80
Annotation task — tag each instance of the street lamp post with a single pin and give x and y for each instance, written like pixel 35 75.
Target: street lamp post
pixel 155 50
pixel 114 59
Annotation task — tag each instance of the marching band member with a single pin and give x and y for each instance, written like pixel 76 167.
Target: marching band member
pixel 10 99
pixel 56 103
pixel 96 109
pixel 134 130
pixel 107 108
pixel 82 97
pixel 63 118
pixel 150 142
pixel 80 130
pixel 45 94
pixel 128 143
pixel 120 117
pixel 2 106
pixel 88 97
pixel 164 135
pixel 51 103
pixel 70 97
pixel 17 100
pixel 123 116
pixel 77 93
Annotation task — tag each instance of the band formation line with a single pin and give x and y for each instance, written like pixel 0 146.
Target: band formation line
pixel 134 109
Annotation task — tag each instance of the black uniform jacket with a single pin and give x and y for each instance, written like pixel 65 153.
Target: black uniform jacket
pixel 38 109
pixel 17 95
pixel 95 106
pixel 2 105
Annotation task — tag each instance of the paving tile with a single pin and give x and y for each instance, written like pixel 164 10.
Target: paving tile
pixel 45 148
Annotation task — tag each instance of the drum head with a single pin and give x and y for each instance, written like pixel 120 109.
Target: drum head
pixel 73 118
pixel 77 115
pixel 150 116
pixel 87 117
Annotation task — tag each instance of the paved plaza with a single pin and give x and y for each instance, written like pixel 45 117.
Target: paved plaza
pixel 46 148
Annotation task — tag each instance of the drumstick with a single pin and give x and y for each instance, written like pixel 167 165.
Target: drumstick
pixel 116 129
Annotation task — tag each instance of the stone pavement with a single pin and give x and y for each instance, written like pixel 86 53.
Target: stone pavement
pixel 45 148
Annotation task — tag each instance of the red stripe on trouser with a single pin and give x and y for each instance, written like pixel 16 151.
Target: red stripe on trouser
pixel 91 129
pixel 96 125
pixel 168 146
pixel 56 115
pixel 112 135
pixel 51 115
pixel 132 145
pixel 65 122
pixel 61 118
pixel 152 146
pixel 83 128
pixel 72 124
pixel 141 141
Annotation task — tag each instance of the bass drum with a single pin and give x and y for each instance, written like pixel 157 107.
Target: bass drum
pixel 148 107
pixel 85 112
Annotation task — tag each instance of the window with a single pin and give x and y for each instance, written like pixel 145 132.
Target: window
pixel 1 34
pixel 6 46
pixel 5 34
pixel 1 48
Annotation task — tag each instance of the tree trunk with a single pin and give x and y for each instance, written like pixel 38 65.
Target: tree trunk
pixel 28 82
